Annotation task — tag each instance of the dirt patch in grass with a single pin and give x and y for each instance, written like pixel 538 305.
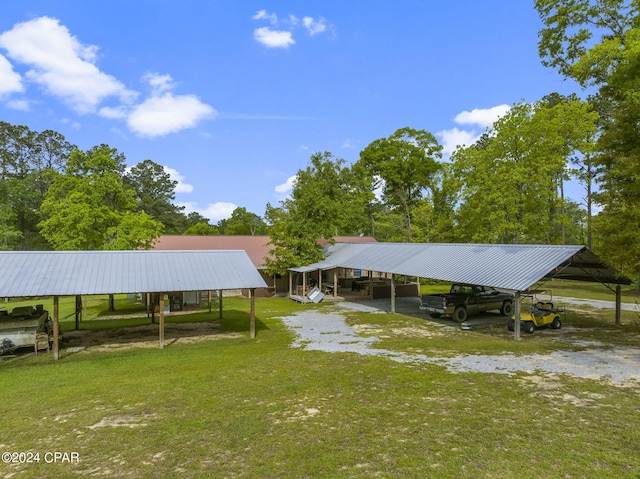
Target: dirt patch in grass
pixel 147 336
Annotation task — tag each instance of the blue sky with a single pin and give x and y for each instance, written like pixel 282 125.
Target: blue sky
pixel 234 96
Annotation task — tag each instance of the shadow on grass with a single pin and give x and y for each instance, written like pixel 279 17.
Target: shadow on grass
pixel 183 328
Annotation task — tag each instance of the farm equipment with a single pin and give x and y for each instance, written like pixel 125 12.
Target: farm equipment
pixel 25 326
pixel 541 314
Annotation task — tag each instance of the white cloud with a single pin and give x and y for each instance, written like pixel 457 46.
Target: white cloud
pixel 285 188
pixel 273 38
pixel 10 81
pixel 349 143
pixel 314 26
pixel 163 112
pixel 181 187
pixel 451 139
pixel 61 64
pixel 484 117
pixel 481 117
pixel 66 69
pixel 159 83
pixel 21 105
pixel 263 15
pixel 281 35
pixel 214 212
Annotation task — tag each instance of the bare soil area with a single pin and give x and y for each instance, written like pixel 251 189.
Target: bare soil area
pixel 147 336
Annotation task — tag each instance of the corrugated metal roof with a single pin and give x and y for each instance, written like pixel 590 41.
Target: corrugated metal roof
pixel 510 267
pixel 68 273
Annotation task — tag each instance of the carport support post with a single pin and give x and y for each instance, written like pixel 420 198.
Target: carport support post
pixel 393 295
pixel 78 311
pixel 56 328
pixel 618 300
pixel 161 312
pixel 516 310
pixel 209 298
pixel 252 294
pixel 219 304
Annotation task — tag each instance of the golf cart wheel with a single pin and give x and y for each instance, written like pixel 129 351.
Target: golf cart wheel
pixel 460 314
pixel 556 323
pixel 507 308
pixel 511 325
pixel 435 315
pixel 528 327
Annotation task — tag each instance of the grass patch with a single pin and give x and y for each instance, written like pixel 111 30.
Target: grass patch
pixel 243 408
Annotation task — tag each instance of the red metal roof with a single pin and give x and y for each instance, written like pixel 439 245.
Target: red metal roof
pixel 257 247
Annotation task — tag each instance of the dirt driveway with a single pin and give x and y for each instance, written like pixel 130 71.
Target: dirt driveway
pixel 328 331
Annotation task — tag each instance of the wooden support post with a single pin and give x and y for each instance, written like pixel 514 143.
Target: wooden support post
pixel 161 312
pixel 252 294
pixel 516 326
pixel 335 283
pixel 78 311
pixel 393 295
pixel 219 304
pixel 210 300
pixel 304 286
pixel 618 305
pixel 56 328
pixel 290 283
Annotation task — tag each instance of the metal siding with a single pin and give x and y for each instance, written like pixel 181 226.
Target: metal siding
pixel 67 273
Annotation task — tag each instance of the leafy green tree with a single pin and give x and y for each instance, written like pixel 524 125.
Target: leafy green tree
pixel 155 193
pixel 404 166
pixel 511 180
pixel 28 160
pixel 325 201
pixel 597 43
pixel 202 229
pixel 242 222
pixel 89 208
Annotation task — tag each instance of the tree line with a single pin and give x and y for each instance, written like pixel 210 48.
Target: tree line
pixel 508 187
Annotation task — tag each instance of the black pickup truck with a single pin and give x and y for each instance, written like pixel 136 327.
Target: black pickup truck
pixel 467 299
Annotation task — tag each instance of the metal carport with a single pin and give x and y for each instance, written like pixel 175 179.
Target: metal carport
pixel 514 268
pixel 72 273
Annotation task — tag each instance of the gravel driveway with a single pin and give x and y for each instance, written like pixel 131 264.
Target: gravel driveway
pixel 328 331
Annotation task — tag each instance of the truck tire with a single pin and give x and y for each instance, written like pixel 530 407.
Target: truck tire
pixel 460 314
pixel 507 308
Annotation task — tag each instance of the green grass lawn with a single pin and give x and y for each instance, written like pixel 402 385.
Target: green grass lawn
pixel 242 408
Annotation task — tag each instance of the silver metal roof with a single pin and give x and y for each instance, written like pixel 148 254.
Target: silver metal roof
pixel 68 273
pixel 509 267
